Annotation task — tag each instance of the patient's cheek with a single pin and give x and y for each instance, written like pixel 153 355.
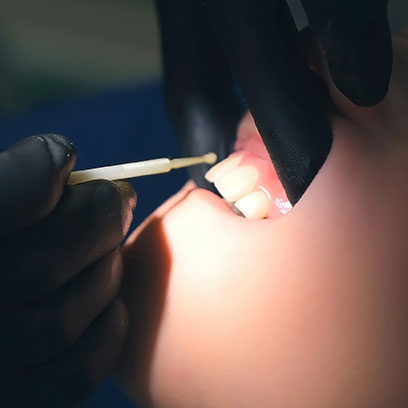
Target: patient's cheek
pixel 308 310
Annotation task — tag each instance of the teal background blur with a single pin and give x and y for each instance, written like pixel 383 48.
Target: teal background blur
pixel 58 49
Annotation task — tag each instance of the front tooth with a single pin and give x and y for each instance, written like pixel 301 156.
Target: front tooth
pixel 222 167
pixel 237 182
pixel 254 205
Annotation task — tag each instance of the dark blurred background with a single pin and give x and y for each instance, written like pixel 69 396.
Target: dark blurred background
pixel 55 49
pixel 90 69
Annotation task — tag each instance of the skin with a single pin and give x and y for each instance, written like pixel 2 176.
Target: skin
pixel 306 310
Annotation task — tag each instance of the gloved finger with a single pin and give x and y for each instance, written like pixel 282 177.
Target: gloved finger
pixel 40 332
pixel 33 174
pixel 67 381
pixel 340 105
pixel 356 38
pixel 200 93
pixel 259 38
pixel 90 221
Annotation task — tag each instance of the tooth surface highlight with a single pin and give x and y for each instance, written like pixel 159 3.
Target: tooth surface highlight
pixel 237 182
pixel 222 167
pixel 254 205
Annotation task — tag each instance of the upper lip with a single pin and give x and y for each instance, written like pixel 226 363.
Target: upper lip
pixel 250 140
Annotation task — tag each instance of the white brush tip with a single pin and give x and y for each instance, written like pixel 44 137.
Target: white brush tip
pixel 210 158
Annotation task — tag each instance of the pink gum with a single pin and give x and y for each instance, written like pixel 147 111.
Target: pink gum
pixel 268 182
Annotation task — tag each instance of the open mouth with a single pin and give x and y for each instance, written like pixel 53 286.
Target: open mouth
pixel 247 178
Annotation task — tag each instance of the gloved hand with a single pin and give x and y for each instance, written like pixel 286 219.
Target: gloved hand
pixel 61 328
pixel 210 46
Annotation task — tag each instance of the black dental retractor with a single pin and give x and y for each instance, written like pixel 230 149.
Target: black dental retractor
pixel 214 48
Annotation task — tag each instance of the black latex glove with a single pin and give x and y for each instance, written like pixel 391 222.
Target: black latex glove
pixel 210 45
pixel 61 328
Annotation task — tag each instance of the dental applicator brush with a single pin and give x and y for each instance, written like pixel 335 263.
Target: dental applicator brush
pixel 138 169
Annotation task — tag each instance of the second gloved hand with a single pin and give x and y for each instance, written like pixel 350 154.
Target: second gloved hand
pixel 61 328
pixel 213 47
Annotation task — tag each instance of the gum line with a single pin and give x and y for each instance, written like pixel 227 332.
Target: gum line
pixel 268 182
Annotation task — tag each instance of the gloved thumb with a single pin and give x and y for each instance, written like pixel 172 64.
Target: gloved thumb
pixel 33 175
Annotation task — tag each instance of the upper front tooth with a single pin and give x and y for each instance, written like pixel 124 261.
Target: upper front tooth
pixel 254 205
pixel 222 167
pixel 237 182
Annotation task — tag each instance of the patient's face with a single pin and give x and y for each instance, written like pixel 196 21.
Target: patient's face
pixel 309 309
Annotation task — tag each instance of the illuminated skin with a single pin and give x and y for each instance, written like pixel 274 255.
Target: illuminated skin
pixel 305 310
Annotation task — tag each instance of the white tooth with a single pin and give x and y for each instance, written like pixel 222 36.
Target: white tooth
pixel 237 182
pixel 222 167
pixel 254 205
